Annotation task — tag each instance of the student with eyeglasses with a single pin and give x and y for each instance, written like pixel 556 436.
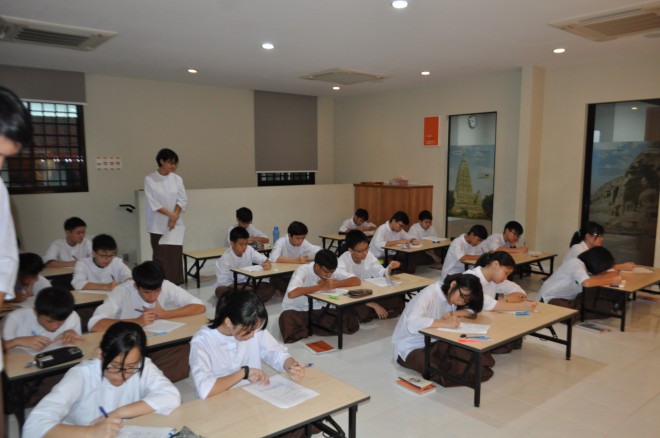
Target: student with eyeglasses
pixel 95 396
pixel 590 236
pixel 103 270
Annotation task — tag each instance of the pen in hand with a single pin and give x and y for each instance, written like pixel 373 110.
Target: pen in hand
pixel 105 414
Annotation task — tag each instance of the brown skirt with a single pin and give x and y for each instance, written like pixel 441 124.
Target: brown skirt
pixel 293 324
pixel 170 258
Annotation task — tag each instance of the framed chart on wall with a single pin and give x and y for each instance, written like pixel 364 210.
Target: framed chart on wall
pixel 471 171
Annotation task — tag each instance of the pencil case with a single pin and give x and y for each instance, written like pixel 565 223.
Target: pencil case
pixel 57 356
pixel 357 293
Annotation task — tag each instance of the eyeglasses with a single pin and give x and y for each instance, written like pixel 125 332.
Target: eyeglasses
pixel 466 298
pixel 360 251
pixel 106 256
pixel 125 371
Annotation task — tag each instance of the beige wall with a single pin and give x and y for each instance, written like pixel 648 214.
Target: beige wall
pixel 211 129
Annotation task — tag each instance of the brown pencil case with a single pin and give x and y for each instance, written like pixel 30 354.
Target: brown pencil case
pixel 358 293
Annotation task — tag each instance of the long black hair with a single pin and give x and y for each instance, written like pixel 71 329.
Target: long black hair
pixel 469 282
pixel 243 308
pixel 120 339
pixel 592 228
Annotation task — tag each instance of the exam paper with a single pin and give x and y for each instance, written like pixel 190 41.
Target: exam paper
pixel 253 268
pixel 281 392
pixel 640 270
pixel 163 326
pixel 145 432
pixel 468 327
pixel 173 236
pixel 382 281
pixel 334 292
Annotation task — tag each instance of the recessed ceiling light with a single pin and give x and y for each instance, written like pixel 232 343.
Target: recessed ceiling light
pixel 426 73
pixel 192 70
pixel 399 4
pixel 336 88
pixel 559 50
pixel 634 108
pixel 268 46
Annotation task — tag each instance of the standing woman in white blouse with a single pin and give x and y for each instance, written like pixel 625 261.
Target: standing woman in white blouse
pixel 166 200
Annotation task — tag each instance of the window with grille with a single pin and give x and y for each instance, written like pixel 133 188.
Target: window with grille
pixel 56 161
pixel 285 178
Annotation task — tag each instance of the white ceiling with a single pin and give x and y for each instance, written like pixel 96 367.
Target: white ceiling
pixel 160 39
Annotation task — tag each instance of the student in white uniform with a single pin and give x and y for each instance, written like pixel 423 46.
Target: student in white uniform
pixel 359 221
pixel 420 230
pixel 507 241
pixel 103 270
pixel 28 282
pixel 122 382
pixel 322 275
pixel 51 320
pixel 590 236
pixel 244 220
pixel 240 255
pixel 467 244
pixel 438 305
pixel 147 298
pixel 391 233
pixel 75 246
pixel 292 248
pixel 357 260
pixel 230 350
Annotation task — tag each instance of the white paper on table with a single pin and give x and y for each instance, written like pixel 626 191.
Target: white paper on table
pixel 145 432
pixel 93 292
pixel 162 326
pixel 435 239
pixel 253 268
pixel 640 270
pixel 468 327
pixel 173 236
pixel 382 281
pixel 281 392
pixel 53 346
pixel 334 292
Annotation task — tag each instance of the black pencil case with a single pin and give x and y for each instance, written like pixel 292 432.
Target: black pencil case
pixel 357 293
pixel 57 356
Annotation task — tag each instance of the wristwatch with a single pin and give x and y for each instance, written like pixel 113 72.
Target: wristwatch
pixel 246 370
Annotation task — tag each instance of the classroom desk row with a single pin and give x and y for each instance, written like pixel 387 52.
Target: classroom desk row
pixel 523 260
pixel 199 258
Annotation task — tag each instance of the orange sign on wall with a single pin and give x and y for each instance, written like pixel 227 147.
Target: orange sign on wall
pixel 431 130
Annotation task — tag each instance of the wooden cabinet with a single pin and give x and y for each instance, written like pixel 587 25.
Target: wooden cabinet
pixel 382 200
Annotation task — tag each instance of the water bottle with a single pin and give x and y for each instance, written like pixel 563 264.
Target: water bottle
pixel 276 234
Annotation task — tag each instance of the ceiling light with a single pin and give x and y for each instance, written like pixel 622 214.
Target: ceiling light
pixel 192 70
pixel 399 4
pixel 336 88
pixel 634 108
pixel 559 50
pixel 426 73
pixel 268 46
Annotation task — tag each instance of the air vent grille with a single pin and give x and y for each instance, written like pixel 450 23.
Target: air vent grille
pixel 343 76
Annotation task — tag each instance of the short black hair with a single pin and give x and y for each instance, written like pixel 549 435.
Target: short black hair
pixel 400 216
pixel 166 154
pixel 355 237
pixel 469 282
pixel 54 303
pixel 30 264
pixel 297 229
pixel 238 233
pixel 514 226
pixel 479 231
pixel 597 259
pixel 15 119
pixel 501 257
pixel 120 338
pixel 362 214
pixel 243 308
pixel 244 215
pixel 148 275
pixel 73 222
pixel 425 215
pixel 104 241
pixel 326 258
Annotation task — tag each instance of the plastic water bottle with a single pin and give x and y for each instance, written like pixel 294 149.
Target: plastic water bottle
pixel 276 234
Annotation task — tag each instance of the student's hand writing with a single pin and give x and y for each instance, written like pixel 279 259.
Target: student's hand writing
pixel 515 297
pixel 452 322
pixel 327 284
pixel 414 241
pixel 266 265
pixel 258 376
pixel 530 306
pixel 112 285
pixel 296 372
pixel 147 317
pixel 381 312
pixel 393 265
pixel 68 337
pixel 104 427
pixel 628 266
pixel 34 342
pixel 302 259
pixel 159 311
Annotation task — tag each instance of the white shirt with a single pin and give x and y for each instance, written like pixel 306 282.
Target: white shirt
pixel 8 250
pixel 124 299
pixel 251 229
pixel 419 233
pixel 565 282
pixel 383 235
pixel 349 224
pixel 87 271
pixel 575 251
pixel 39 285
pixel 426 306
pixel 61 251
pixel 163 192
pixel 305 276
pixel 76 398
pixel 229 260
pixel 214 355
pixel 284 248
pixel 491 289
pixel 370 267
pixel 458 248
pixel 23 322
pixel 494 241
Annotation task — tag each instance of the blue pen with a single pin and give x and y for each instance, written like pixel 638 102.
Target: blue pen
pixel 464 336
pixel 522 313
pixel 105 414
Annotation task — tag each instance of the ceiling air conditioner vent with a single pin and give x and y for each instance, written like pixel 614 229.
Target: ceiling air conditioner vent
pixel 21 30
pixel 613 24
pixel 343 76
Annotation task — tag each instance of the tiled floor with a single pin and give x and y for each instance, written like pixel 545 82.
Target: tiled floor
pixel 610 387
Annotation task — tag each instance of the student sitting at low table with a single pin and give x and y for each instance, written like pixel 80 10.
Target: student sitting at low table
pixel 467 244
pixel 244 220
pixel 390 234
pixel 506 241
pixel 96 395
pixel 29 282
pixel 359 221
pixel 103 270
pixel 357 260
pixel 592 235
pixel 66 252
pixel 322 275
pixel 424 228
pixel 292 248
pixel 240 255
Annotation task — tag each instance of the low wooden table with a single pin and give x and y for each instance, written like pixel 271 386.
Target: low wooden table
pixel 504 328
pixel 256 277
pixel 199 258
pixel 332 241
pixel 237 413
pixel 524 259
pixel 425 245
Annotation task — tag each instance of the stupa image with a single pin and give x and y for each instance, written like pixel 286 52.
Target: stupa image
pixel 467 203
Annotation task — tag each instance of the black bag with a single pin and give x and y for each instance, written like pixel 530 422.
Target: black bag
pixel 358 293
pixel 57 356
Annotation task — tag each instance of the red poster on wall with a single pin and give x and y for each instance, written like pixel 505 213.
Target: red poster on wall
pixel 431 130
